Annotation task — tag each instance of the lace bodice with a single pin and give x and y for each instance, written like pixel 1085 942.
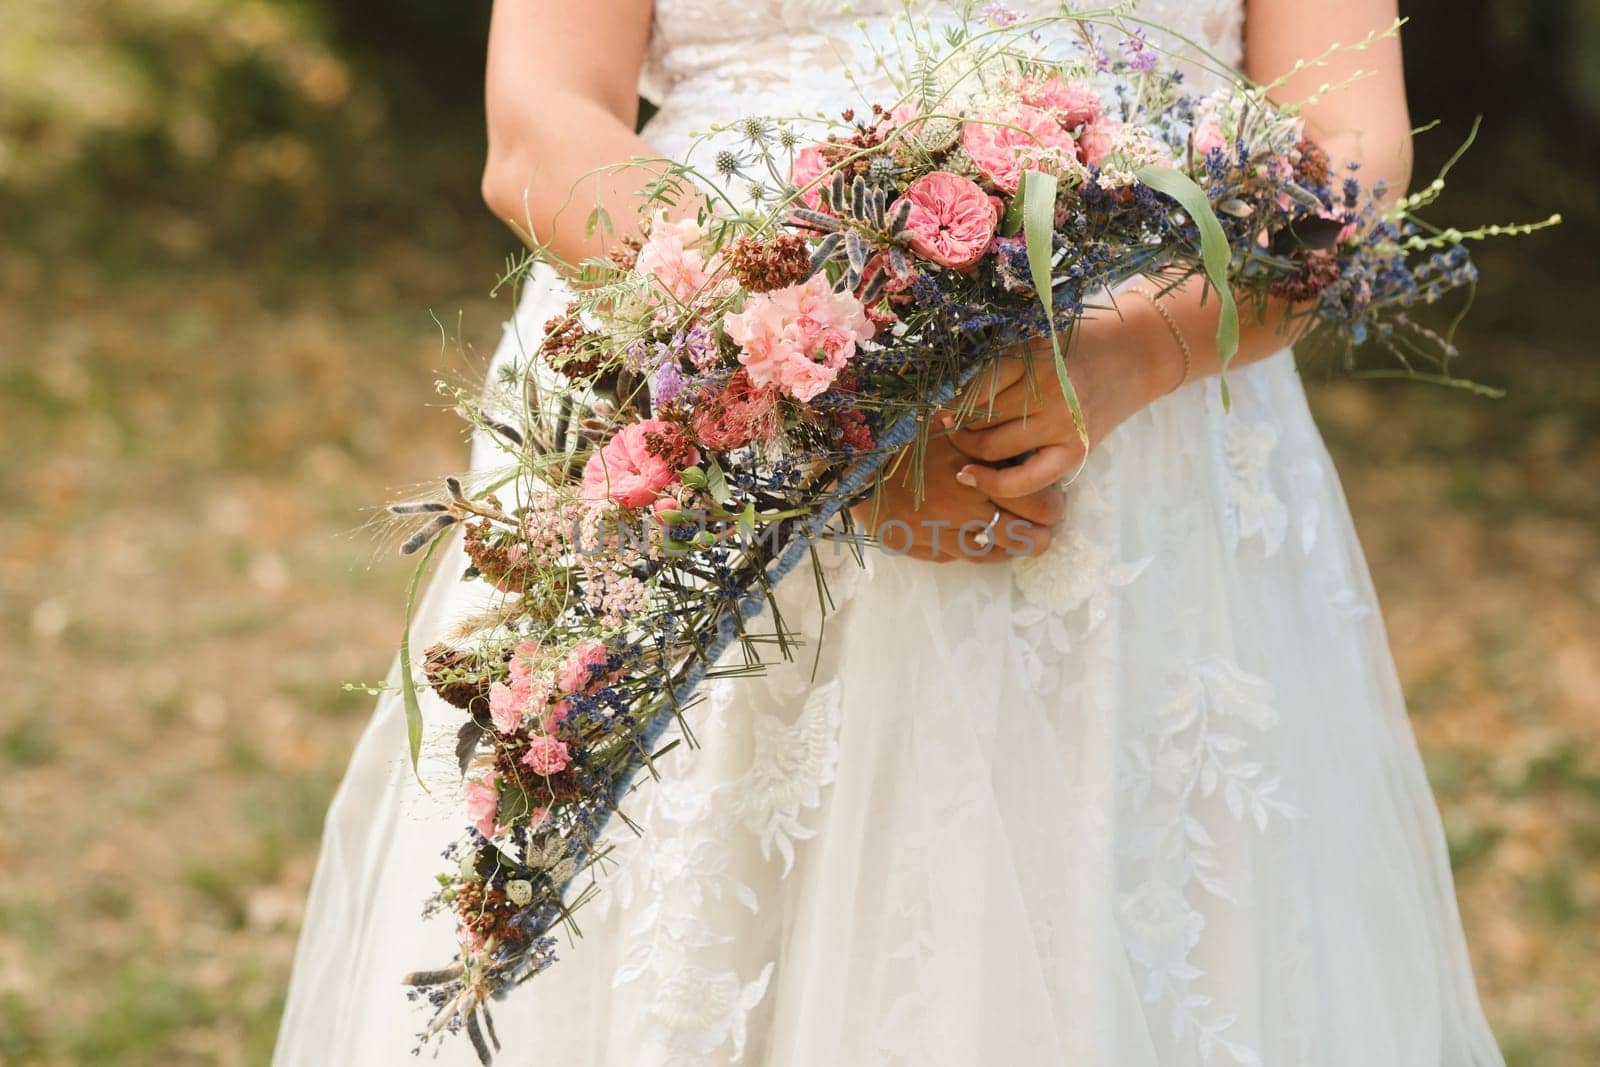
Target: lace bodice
pixel 712 61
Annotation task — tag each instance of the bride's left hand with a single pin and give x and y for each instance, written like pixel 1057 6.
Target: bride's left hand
pixel 1117 366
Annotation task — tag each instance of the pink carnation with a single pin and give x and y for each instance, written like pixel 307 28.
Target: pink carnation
pixel 798 338
pixel 668 254
pixel 580 672
pixel 952 221
pixel 482 804
pixel 505 707
pixel 546 755
pixel 807 167
pixel 639 464
pixel 1072 103
pixel 1008 142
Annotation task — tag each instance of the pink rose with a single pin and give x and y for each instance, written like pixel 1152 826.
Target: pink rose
pixel 482 804
pixel 952 221
pixel 1008 142
pixel 1208 138
pixel 798 338
pixel 1073 104
pixel 546 756
pixel 638 464
pixel 1097 139
pixel 807 167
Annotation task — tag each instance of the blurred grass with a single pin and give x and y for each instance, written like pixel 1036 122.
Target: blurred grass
pixel 227 242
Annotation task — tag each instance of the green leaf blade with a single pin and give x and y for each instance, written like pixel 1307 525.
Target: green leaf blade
pixel 408 684
pixel 1215 252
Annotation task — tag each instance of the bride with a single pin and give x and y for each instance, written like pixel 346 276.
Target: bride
pixel 1142 795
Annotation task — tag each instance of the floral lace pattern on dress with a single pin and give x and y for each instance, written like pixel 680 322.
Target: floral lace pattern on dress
pixel 1188 768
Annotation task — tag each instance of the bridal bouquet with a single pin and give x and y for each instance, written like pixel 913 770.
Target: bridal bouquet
pixel 717 394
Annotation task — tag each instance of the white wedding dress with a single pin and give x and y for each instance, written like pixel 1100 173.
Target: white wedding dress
pixel 1151 800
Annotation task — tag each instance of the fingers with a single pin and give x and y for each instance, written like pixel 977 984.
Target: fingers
pixel 1040 471
pixel 1043 508
pixel 1009 439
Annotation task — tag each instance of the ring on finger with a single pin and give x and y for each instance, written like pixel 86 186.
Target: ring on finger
pixel 985 536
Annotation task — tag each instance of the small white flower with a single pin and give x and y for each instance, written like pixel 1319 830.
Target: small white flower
pixel 519 891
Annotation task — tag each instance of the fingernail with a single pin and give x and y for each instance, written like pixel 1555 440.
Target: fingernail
pixel 967 478
pixel 946 420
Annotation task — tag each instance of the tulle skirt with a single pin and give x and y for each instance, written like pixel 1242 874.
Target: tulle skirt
pixel 1151 800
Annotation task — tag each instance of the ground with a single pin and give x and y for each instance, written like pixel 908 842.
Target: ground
pixel 188 575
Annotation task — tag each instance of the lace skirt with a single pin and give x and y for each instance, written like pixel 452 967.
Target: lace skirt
pixel 1148 801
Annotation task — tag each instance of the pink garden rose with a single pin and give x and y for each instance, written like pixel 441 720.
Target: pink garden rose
pixel 546 755
pixel 482 803
pixel 669 255
pixel 1096 141
pixel 800 337
pixel 1008 142
pixel 1072 103
pixel 952 221
pixel 807 167
pixel 639 464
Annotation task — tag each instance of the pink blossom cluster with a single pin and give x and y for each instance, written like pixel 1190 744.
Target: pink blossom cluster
pixel 800 337
pixel 672 257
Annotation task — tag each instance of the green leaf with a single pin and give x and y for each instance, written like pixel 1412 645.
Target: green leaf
pixel 693 477
pixel 717 482
pixel 1011 222
pixel 408 684
pixel 1037 193
pixel 1215 252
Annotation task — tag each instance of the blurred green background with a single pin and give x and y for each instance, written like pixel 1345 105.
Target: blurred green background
pixel 239 239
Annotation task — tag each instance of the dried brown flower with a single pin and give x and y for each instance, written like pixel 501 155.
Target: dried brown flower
pixel 764 265
pixel 1314 167
pixel 487 913
pixel 1319 270
pixel 568 346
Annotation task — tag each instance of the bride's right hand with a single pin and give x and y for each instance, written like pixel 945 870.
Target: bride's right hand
pixel 952 522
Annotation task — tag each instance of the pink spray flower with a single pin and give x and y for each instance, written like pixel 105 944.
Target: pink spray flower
pixel 482 803
pixel 1007 142
pixel 639 464
pixel 546 755
pixel 952 220
pixel 1208 137
pixel 669 254
pixel 798 338
pixel 1072 103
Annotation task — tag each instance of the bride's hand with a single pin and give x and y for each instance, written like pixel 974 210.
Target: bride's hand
pixel 953 520
pixel 1117 366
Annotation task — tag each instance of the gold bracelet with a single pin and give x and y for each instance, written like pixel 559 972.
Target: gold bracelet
pixel 1176 331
